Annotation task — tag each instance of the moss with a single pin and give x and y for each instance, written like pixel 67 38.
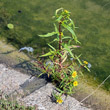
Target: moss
pixel 91 16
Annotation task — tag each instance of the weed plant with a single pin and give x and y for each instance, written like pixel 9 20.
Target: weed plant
pixel 63 65
pixel 9 105
pixel 6 104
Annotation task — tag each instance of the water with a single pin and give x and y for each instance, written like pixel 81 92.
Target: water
pixel 34 17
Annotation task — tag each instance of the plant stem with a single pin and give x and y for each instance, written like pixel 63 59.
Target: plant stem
pixel 60 45
pixel 41 65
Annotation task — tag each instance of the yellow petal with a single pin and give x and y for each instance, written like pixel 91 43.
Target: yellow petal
pixel 85 62
pixel 75 83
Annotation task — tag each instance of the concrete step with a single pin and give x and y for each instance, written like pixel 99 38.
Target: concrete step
pixel 33 91
pixel 44 101
pixel 13 82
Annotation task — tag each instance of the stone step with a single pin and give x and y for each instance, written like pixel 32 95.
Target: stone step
pixel 13 82
pixel 33 91
pixel 44 101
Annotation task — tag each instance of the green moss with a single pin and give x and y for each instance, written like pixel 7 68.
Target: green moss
pixel 31 18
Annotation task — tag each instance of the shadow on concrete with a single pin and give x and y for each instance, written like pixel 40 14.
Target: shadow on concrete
pixel 34 82
pixel 8 52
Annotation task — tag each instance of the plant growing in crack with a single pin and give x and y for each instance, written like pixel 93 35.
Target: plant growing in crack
pixel 62 65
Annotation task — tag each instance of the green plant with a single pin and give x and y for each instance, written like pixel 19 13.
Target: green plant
pixel 62 63
pixel 9 105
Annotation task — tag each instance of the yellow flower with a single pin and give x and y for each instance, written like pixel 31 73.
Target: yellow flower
pixel 59 101
pixel 85 62
pixel 61 33
pixel 66 11
pixel 74 74
pixel 75 83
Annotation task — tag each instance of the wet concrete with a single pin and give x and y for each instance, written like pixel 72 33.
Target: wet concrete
pixel 31 85
pixel 24 66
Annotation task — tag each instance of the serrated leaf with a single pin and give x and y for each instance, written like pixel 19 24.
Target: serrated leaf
pixel 49 34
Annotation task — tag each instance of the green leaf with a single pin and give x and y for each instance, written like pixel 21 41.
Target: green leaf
pixel 69 50
pixel 66 76
pixel 58 10
pixel 48 54
pixel 64 80
pixel 54 40
pixel 66 37
pixel 72 32
pixel 59 90
pixel 73 26
pixel 56 30
pixel 78 60
pixel 49 34
pixel 58 52
pixel 51 47
pixel 76 40
pixel 60 17
pixel 69 29
pixel 87 68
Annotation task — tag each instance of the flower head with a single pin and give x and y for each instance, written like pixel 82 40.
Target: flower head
pixel 75 83
pixel 59 101
pixel 85 62
pixel 61 33
pixel 66 11
pixel 74 74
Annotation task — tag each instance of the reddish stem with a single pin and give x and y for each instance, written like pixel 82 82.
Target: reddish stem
pixel 60 46
pixel 41 65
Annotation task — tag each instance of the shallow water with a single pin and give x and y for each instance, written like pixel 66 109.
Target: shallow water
pixel 34 17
